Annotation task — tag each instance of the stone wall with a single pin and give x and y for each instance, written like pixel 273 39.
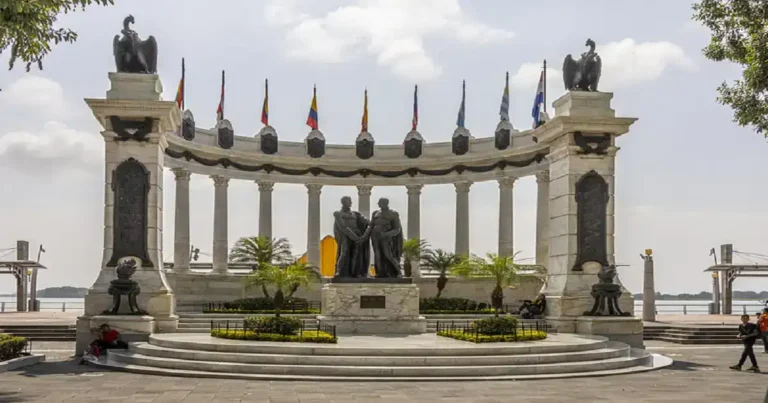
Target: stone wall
pixel 193 289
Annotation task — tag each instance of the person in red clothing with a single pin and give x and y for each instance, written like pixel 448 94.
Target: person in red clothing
pixel 763 324
pixel 109 338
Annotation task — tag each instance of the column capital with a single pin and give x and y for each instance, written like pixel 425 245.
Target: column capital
pixel 313 188
pixel 364 190
pixel 220 181
pixel 462 186
pixel 414 189
pixel 506 183
pixel 542 176
pixel 266 186
pixel 181 174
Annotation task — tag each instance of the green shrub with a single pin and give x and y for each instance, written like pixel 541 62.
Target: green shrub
pixel 527 335
pixel 261 304
pixel 448 304
pixel 265 312
pixel 495 325
pixel 11 346
pixel 478 311
pixel 312 336
pixel 271 324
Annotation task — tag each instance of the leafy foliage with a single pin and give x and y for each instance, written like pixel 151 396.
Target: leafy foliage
pixel 260 251
pixel 307 337
pixel 27 27
pixel 528 335
pixel 287 279
pixel 501 268
pixel 11 346
pixel 448 304
pixel 261 305
pixel 497 325
pixel 413 250
pixel 285 325
pixel 440 261
pixel 739 34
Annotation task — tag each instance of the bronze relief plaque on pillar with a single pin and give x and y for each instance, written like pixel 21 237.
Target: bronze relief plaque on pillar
pixel 591 216
pixel 373 302
pixel 130 184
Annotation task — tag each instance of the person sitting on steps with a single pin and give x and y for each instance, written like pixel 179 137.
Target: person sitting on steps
pixel 108 339
pixel 531 309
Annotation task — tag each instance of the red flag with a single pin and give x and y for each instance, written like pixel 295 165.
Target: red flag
pixel 265 107
pixel 220 109
pixel 180 89
pixel 415 120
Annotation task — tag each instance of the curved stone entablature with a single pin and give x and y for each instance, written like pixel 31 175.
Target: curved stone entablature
pixel 341 164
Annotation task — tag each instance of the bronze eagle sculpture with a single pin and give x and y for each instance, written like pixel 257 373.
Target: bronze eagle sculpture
pixel 583 74
pixel 132 55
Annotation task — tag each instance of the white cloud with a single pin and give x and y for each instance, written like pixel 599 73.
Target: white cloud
pixel 391 30
pixel 625 63
pixel 54 147
pixel 32 91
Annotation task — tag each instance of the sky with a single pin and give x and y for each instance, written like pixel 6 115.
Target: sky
pixel 687 177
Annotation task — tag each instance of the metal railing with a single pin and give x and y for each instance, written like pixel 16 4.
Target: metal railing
pixel 521 329
pixel 289 307
pixel 700 309
pixel 47 306
pixel 307 328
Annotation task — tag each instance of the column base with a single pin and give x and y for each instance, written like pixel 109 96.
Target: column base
pixel 624 329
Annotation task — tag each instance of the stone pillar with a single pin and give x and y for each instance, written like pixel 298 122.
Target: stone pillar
pixel 313 224
pixel 506 219
pixel 136 122
pixel 649 289
pixel 22 253
pixel 220 225
pixel 542 219
pixel 726 296
pixel 364 200
pixel 462 218
pixel 181 222
pixel 414 211
pixel 582 152
pixel 265 209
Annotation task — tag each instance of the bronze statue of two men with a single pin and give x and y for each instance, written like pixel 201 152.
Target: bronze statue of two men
pixel 355 236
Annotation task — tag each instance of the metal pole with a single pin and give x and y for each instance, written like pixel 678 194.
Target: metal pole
pixel 22 253
pixel 33 284
pixel 649 290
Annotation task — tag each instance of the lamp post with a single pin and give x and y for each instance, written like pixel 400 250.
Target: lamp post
pixel 649 292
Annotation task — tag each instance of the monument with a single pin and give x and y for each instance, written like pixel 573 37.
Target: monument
pixel 356 303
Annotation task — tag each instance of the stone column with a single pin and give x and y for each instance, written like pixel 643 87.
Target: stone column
pixel 265 209
pixel 462 218
pixel 313 224
pixel 506 216
pixel 181 222
pixel 220 224
pixel 364 200
pixel 542 219
pixel 414 211
pixel 649 289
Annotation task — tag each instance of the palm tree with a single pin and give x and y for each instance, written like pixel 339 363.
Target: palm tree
pixel 312 271
pixel 284 280
pixel 259 251
pixel 502 268
pixel 414 249
pixel 440 261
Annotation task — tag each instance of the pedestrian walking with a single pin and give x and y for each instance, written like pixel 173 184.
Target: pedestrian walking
pixel 748 333
pixel 763 324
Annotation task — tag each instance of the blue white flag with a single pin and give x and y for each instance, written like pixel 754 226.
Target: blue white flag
pixel 538 101
pixel 460 118
pixel 504 109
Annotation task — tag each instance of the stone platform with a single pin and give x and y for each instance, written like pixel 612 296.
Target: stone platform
pixel 373 307
pixel 425 357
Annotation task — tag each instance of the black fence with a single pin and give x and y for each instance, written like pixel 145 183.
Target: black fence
pixel 308 327
pixel 288 307
pixel 522 328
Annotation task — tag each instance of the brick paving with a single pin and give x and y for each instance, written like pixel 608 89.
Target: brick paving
pixel 700 374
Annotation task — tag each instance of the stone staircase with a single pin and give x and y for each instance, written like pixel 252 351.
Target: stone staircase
pixel 424 357
pixel 41 332
pixel 692 334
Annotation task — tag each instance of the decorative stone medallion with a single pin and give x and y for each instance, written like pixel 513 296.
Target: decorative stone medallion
pixel 364 145
pixel 131 129
pixel 460 141
pixel 225 133
pixel 502 137
pixel 268 140
pixel 592 144
pixel 413 144
pixel 592 206
pixel 188 125
pixel 130 184
pixel 315 144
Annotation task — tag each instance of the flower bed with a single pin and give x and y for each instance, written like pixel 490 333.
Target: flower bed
pixel 262 311
pixel 262 305
pixel 527 335
pixel 11 346
pixel 310 336
pixel 270 328
pixel 495 329
pixel 486 311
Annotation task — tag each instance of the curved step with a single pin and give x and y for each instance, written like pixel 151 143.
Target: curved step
pixel 613 350
pixel 133 358
pixel 419 345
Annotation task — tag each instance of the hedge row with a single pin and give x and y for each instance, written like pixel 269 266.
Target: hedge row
pixel 11 346
pixel 307 337
pixel 262 311
pixel 528 335
pixel 450 305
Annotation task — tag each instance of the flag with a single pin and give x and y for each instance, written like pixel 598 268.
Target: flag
pixel 265 107
pixel 220 109
pixel 42 249
pixel 180 89
pixel 364 123
pixel 415 120
pixel 312 119
pixel 712 252
pixel 538 100
pixel 460 118
pixel 504 108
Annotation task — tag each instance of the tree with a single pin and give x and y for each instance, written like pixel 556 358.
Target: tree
pixel 26 27
pixel 739 34
pixel 260 251
pixel 502 268
pixel 287 279
pixel 413 250
pixel 440 261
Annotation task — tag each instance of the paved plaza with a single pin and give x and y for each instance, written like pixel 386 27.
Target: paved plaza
pixel 700 374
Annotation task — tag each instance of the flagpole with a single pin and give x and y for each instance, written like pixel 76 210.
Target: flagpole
pixel 545 86
pixel 222 94
pixel 183 84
